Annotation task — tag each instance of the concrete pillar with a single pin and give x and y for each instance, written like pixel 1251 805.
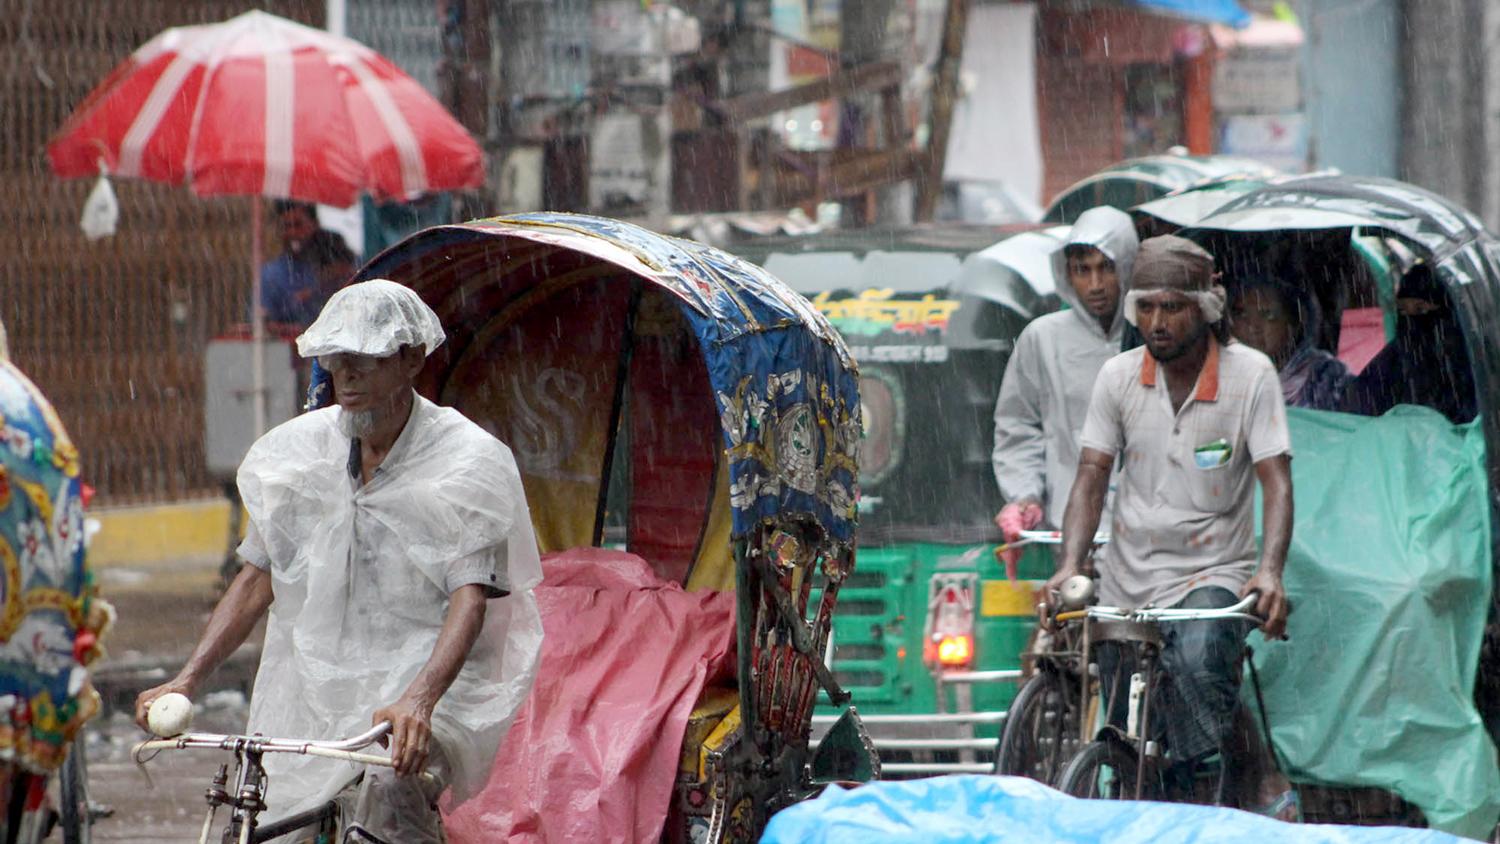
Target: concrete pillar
pixel 1444 131
pixel 1488 208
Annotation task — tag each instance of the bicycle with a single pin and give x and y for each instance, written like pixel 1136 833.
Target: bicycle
pixel 1044 728
pixel 246 798
pixel 1130 763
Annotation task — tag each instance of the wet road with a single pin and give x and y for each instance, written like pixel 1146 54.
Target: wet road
pixel 166 807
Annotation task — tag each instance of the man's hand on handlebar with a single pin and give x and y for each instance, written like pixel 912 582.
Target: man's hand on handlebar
pixel 1271 603
pixel 1047 598
pixel 144 699
pixel 410 738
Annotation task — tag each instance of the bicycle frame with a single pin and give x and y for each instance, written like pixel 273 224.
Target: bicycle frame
pixel 1140 627
pixel 247 798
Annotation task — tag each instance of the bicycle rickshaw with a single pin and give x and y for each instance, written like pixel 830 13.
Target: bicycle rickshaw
pixel 52 620
pixel 686 429
pixel 1383 705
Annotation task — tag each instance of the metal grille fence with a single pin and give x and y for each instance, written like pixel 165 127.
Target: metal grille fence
pixel 114 331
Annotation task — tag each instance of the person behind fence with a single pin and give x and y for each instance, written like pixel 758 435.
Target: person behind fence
pixel 1045 392
pixel 391 542
pixel 332 261
pixel 289 291
pixel 1283 321
pixel 1194 421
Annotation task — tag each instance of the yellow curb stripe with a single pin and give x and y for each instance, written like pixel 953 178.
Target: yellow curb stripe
pixel 160 534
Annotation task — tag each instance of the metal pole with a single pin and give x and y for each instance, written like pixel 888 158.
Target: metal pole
pixel 258 319
pixel 337 23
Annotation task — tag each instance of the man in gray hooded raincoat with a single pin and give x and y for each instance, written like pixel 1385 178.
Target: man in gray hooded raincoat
pixel 1044 397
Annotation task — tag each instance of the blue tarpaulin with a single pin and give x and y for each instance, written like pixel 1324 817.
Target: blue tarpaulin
pixel 1205 11
pixel 973 809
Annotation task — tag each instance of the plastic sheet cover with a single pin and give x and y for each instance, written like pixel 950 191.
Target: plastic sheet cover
pixel 593 754
pixel 353 623
pixel 974 809
pixel 1389 573
pixel 375 318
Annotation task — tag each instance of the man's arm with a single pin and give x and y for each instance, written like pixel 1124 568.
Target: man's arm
pixel 243 604
pixel 1275 476
pixel 411 715
pixel 1081 519
pixel 1019 453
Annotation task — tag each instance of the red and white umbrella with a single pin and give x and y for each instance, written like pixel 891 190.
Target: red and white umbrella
pixel 259 105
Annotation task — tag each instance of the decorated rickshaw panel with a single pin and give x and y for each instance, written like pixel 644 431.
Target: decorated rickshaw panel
pixel 784 384
pixel 45 631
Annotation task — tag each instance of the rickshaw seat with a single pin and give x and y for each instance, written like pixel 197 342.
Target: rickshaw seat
pixel 713 710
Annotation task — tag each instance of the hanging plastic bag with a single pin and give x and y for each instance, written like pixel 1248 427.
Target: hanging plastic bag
pixel 101 211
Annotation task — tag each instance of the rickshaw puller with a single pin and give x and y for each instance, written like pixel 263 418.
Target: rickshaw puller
pixel 1045 392
pixel 391 541
pixel 1195 420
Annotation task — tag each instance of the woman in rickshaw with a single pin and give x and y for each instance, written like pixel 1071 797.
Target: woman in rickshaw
pixel 1284 322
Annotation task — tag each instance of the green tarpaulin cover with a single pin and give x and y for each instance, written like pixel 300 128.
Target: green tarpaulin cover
pixel 1389 574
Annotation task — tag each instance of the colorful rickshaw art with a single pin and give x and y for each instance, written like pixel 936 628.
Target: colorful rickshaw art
pixel 670 399
pixel 51 620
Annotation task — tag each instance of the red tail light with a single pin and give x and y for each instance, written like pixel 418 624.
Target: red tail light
pixel 956 651
pixel 949 643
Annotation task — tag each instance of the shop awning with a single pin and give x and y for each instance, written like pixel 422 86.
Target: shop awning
pixel 1202 11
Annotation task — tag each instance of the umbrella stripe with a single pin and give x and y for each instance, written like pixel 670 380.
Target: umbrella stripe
pixel 280 105
pixel 133 145
pixel 408 151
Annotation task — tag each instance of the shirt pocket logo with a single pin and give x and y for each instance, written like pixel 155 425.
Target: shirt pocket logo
pixel 1213 455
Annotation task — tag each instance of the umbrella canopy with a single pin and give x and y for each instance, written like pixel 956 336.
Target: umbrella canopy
pixel 259 105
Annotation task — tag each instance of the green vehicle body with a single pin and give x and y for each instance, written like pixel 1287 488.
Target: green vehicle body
pixel 928 490
pixel 878 639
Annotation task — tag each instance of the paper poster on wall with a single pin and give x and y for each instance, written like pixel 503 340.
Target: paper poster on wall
pixel 1279 140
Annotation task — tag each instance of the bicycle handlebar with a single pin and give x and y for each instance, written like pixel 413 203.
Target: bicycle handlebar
pixel 1045 537
pixel 1238 612
pixel 334 749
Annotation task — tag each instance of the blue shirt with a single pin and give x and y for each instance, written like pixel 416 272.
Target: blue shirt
pixel 289 291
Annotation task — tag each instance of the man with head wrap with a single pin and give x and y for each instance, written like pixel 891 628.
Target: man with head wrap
pixel 391 540
pixel 1045 392
pixel 1194 420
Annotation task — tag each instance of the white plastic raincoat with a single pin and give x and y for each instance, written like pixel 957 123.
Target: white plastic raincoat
pixel 361 577
pixel 1044 397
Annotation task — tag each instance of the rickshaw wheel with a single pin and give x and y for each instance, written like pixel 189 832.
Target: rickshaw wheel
pixel 1040 734
pixel 1106 770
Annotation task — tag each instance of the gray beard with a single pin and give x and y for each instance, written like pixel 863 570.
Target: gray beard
pixel 357 424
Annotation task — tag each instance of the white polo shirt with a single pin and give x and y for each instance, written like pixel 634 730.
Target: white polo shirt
pixel 1184 513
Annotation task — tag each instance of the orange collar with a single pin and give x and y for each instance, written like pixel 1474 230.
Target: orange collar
pixel 1208 377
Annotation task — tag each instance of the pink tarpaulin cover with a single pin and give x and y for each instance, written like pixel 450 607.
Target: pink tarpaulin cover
pixel 593 753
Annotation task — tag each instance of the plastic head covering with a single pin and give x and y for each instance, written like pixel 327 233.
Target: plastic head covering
pixel 374 318
pixel 1172 263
